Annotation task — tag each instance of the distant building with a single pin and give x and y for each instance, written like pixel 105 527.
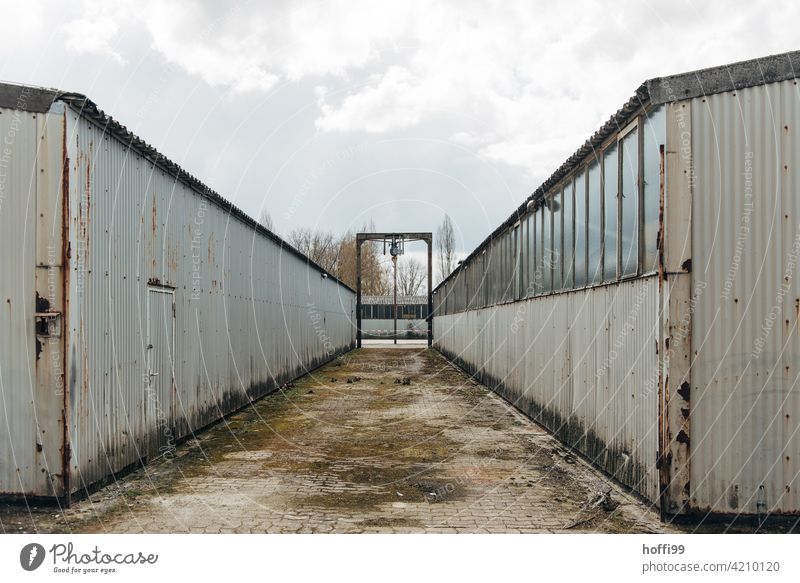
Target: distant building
pixel 377 320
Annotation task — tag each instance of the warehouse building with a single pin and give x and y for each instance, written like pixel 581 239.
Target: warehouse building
pixel 643 302
pixel 142 305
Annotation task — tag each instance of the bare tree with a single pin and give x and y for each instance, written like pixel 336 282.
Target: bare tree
pixel 445 248
pixel 337 255
pixel 265 220
pixel 319 246
pixel 410 276
pixel 373 275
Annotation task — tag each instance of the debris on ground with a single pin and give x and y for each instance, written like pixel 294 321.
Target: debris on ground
pixel 598 500
pixel 402 381
pixel 351 380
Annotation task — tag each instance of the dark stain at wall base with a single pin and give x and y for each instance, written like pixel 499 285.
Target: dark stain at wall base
pixel 619 464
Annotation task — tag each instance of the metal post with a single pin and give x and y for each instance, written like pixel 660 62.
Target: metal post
pixel 394 303
pixel 429 240
pixel 358 291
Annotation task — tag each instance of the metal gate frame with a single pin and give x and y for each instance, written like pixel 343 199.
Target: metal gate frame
pixel 405 237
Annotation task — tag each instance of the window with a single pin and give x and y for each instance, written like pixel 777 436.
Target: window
pixel 629 202
pixel 515 258
pixel 610 173
pixel 569 218
pixel 547 248
pixel 595 225
pixel 654 137
pixel 532 255
pixel 484 274
pixel 580 230
pixel 556 207
pixel 538 270
pixel 508 271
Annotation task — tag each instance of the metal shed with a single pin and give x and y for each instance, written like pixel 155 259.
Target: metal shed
pixel 143 306
pixel 643 302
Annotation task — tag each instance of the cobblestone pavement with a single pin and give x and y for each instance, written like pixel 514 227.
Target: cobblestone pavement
pixel 381 440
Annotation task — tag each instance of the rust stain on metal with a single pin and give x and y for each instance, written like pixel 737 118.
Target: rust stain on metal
pixel 664 455
pixel 66 450
pixel 154 214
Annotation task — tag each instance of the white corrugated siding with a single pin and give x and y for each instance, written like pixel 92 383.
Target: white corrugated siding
pixel 18 436
pixel 745 403
pixel 582 363
pixel 261 316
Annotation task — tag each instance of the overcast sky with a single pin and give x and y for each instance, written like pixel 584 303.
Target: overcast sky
pixel 333 113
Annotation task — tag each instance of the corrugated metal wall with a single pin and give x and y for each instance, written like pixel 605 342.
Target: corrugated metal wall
pixel 745 449
pixel 248 314
pixel 584 364
pixel 18 436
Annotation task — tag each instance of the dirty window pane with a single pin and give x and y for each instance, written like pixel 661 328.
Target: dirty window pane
pixel 509 266
pixel 547 249
pixel 527 247
pixel 629 240
pixel 654 137
pixel 508 281
pixel 538 273
pixel 532 253
pixel 580 230
pixel 495 271
pixel 610 165
pixel 568 213
pixel 594 223
pixel 556 207
pixel 491 277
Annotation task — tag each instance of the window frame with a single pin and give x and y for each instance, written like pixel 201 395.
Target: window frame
pixel 624 133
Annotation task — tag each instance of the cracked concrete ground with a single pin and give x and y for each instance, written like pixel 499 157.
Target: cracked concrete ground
pixel 381 440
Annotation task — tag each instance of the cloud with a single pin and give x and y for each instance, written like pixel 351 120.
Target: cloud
pixel 523 85
pixel 93 36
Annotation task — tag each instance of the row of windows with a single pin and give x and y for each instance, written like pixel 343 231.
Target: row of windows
pixel 599 225
pixel 384 311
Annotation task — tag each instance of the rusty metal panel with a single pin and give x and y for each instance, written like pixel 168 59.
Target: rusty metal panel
pixel 745 409
pixel 52 457
pixel 248 314
pixel 583 363
pixel 18 431
pixel 675 291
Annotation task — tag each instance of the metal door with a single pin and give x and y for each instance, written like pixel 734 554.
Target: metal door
pixel 160 365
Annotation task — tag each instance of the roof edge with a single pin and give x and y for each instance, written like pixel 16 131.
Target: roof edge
pixel 751 73
pixel 656 91
pixel 35 99
pixel 26 97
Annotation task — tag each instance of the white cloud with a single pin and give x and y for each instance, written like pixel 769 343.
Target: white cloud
pixel 523 85
pixel 95 32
